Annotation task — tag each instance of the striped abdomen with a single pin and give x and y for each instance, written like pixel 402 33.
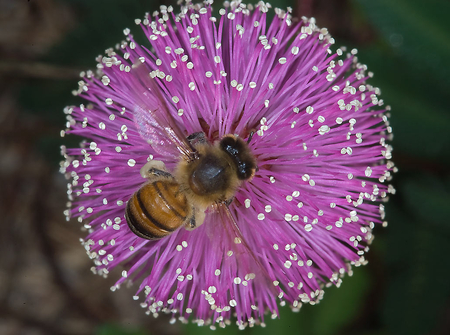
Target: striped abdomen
pixel 157 209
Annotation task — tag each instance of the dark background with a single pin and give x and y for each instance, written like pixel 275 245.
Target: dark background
pixel 46 286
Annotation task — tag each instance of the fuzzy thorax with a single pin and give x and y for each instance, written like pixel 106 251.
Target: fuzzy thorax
pixel 210 179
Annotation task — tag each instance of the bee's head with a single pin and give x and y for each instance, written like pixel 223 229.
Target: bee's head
pixel 240 153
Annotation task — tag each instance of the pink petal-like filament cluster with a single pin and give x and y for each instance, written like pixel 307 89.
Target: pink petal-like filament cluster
pixel 321 149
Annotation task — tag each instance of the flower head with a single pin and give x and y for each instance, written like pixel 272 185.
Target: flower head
pixel 320 146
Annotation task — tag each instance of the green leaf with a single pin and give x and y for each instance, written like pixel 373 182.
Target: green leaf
pixel 410 66
pixel 418 31
pixel 341 305
pixel 417 274
pixel 337 309
pixel 100 26
pixel 419 114
pixel 428 198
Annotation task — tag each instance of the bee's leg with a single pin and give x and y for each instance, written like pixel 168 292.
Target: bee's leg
pixel 250 136
pixel 154 168
pixel 191 224
pixel 228 201
pixel 196 220
pixel 196 138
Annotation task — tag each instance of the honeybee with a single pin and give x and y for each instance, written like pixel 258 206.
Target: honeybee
pixel 205 178
pixel 167 202
pixel 206 174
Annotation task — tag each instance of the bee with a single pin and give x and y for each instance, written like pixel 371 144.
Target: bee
pixel 206 174
pixel 203 182
pixel 167 202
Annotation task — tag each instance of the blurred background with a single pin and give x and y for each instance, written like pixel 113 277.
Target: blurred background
pixel 46 286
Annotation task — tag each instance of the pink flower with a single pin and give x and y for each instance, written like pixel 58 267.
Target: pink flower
pixel 321 148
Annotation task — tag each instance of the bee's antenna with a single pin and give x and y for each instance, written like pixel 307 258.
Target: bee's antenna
pixel 252 132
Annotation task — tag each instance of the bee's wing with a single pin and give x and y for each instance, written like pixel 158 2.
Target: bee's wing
pixel 153 119
pixel 246 258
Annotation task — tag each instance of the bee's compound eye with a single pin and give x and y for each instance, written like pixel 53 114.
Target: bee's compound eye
pixel 228 144
pixel 245 170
